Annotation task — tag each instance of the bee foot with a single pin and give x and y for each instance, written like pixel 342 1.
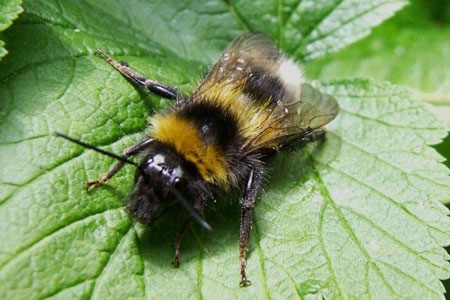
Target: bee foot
pixel 176 261
pixel 92 184
pixel 245 282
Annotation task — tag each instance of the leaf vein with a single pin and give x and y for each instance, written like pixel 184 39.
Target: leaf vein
pixel 392 237
pixel 289 276
pixel 102 269
pixel 410 277
pixel 389 124
pixel 76 283
pixel 261 259
pixel 324 251
pixel 325 193
pixel 376 157
pixel 30 138
pixel 141 257
pixel 348 21
pixel 322 18
pixel 390 200
pixel 199 270
pixel 289 16
pixel 237 16
pixel 57 166
pixel 280 22
pixel 28 247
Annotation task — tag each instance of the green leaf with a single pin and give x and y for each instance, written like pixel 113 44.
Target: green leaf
pixel 350 190
pixel 411 49
pixel 309 29
pixel 355 217
pixel 9 10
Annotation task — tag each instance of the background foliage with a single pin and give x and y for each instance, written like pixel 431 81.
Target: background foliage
pixel 410 49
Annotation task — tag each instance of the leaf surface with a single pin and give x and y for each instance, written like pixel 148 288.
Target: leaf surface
pixel 411 49
pixel 9 10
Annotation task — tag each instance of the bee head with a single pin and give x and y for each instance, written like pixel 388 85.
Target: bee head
pixel 162 175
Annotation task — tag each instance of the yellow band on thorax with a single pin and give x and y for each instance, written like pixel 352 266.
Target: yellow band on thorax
pixel 184 137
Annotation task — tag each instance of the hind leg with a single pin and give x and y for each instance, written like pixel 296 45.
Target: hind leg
pixel 252 191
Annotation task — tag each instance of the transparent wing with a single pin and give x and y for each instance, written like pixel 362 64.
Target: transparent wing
pixel 313 110
pixel 296 119
pixel 248 54
pixel 254 55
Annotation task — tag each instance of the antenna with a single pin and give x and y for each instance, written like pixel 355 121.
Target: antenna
pixel 110 154
pixel 191 211
pixel 178 195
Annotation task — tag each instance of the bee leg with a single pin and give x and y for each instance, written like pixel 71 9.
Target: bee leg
pixel 316 135
pixel 176 257
pixel 202 198
pixel 133 150
pixel 153 86
pixel 251 193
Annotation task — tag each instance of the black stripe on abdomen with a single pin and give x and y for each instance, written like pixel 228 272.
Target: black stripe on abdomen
pixel 261 86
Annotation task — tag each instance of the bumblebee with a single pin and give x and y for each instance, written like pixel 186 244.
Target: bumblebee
pixel 252 103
